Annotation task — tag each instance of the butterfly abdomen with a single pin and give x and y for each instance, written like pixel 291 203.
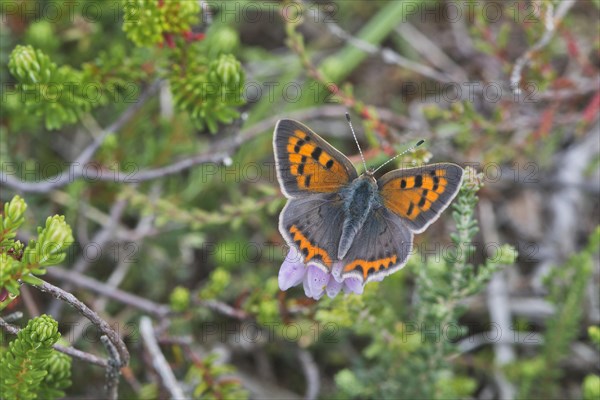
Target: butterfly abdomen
pixel 360 198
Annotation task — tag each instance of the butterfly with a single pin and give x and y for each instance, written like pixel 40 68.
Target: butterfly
pixel 361 224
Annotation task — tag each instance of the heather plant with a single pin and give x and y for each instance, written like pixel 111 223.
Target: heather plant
pixel 20 263
pixel 416 347
pixel 30 368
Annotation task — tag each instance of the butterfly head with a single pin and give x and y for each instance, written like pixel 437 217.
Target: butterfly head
pixel 370 172
pixel 369 176
pixel 364 186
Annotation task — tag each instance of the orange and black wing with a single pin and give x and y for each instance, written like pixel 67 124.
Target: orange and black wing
pixel 306 163
pixel 419 195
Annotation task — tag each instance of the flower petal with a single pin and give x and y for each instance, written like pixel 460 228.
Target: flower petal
pixel 319 295
pixel 353 285
pixel 333 288
pixel 317 280
pixel 336 271
pixel 307 291
pixel 291 273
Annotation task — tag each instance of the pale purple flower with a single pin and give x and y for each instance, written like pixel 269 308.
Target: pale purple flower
pixel 333 288
pixel 353 285
pixel 315 280
pixel 336 271
pixel 291 273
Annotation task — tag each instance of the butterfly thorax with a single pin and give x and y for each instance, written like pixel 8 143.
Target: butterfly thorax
pixel 360 197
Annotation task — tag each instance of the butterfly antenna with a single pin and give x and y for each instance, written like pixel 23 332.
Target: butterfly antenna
pixel 420 142
pixel 356 140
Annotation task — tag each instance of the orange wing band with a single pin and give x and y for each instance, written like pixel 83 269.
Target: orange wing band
pixel 368 267
pixel 308 250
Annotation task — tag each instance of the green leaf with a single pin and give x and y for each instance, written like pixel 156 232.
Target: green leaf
pixel 32 280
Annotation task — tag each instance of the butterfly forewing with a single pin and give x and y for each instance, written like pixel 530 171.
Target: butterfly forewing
pixel 419 195
pixel 306 163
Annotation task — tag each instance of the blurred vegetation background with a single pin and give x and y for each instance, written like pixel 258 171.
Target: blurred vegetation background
pixel 148 126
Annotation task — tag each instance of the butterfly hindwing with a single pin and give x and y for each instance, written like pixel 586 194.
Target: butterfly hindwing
pixel 313 226
pixel 419 195
pixel 306 163
pixel 380 248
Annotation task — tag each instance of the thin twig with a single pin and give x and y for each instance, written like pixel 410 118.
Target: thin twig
pixel 498 297
pixel 90 315
pixel 217 153
pixel 113 369
pixel 123 265
pixel 82 281
pixel 178 166
pixel 79 166
pixel 120 231
pixel 552 19
pixel 534 308
pixel 159 362
pixel 224 308
pixel 564 203
pixel 522 338
pixel 81 355
pixel 13 330
pixel 498 302
pixel 70 351
pixel 388 55
pixel 429 50
pixel 89 152
pixel 311 373
pixel 156 309
pixel 100 239
pixel 17 315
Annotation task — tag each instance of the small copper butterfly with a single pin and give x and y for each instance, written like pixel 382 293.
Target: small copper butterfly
pixel 350 225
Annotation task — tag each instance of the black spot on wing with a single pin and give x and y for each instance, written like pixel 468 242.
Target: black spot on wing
pixel 316 153
pixel 418 181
